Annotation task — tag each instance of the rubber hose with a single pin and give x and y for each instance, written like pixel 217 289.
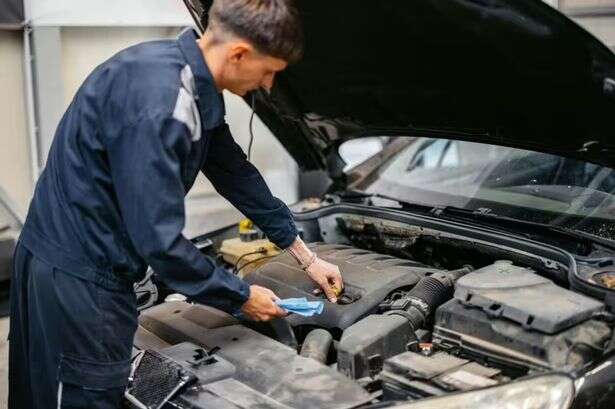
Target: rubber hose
pixel 429 293
pixel 432 292
pixel 438 288
pixel 317 345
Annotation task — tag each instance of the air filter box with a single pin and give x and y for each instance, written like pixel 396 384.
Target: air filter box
pixel 520 295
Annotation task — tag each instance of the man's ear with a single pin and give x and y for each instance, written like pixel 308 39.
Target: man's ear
pixel 239 51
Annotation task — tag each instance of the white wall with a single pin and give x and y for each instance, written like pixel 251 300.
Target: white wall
pixel 83 48
pixel 15 171
pixel 603 27
pixel 107 13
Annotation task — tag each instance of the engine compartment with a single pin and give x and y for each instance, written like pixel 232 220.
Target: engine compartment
pixel 508 315
pixel 369 278
pixel 409 325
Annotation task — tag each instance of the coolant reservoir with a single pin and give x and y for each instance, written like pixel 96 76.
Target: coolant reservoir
pixel 245 252
pixel 247 256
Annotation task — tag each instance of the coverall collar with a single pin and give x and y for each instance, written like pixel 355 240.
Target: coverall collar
pixel 211 102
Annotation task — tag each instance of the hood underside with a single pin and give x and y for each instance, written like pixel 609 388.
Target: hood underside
pixel 507 72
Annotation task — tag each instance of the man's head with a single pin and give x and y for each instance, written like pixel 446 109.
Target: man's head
pixel 247 42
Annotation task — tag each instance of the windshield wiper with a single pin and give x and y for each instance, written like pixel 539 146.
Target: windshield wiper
pixel 485 217
pixel 355 194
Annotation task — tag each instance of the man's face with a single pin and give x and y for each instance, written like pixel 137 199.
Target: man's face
pixel 247 69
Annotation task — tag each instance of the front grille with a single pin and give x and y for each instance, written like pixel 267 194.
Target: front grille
pixel 156 380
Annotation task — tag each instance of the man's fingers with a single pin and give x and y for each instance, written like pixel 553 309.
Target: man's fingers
pixel 274 313
pixel 335 279
pixel 329 292
pixel 275 310
pixel 338 283
pixel 328 277
pixel 261 306
pixel 323 282
pixel 281 312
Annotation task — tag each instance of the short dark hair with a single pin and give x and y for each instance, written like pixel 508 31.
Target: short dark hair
pixel 273 27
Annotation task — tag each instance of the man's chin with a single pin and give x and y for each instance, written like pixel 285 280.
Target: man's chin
pixel 239 92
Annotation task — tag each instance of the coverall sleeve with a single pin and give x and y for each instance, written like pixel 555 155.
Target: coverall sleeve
pixel 145 162
pixel 235 178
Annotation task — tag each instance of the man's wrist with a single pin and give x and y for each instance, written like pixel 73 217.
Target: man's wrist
pixel 301 252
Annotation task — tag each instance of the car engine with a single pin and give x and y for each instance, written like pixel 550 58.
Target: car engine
pixel 498 313
pixel 401 330
pixel 368 279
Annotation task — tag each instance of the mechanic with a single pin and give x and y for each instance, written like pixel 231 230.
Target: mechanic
pixel 110 202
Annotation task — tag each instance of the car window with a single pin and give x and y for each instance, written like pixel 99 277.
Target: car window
pixel 450 158
pixel 443 172
pixel 429 156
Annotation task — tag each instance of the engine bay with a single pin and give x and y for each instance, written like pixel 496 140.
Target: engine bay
pixel 414 320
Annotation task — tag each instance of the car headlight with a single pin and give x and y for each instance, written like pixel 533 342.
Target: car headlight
pixel 545 392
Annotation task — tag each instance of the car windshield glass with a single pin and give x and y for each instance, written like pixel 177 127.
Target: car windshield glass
pixel 516 183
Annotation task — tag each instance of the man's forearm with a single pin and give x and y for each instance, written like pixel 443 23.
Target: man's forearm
pixel 235 178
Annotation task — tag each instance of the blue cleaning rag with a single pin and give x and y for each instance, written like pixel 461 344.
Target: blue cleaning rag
pixel 301 306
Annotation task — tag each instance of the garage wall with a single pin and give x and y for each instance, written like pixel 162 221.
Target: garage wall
pixel 603 27
pixel 15 170
pixel 144 13
pixel 83 48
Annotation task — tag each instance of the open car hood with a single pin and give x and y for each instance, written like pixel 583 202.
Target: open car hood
pixel 508 72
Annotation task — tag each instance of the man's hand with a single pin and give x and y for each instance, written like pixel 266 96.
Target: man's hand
pixel 261 305
pixel 327 276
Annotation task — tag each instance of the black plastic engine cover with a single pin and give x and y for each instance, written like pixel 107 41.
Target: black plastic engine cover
pixel 368 278
pixel 520 295
pixel 471 331
pixel 250 369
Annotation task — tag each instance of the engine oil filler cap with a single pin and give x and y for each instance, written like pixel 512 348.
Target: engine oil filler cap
pixel 606 279
pixel 520 295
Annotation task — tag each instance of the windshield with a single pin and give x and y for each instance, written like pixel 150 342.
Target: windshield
pixel 516 183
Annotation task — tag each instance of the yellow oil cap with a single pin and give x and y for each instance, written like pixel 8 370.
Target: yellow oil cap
pixel 245 226
pixel 247 231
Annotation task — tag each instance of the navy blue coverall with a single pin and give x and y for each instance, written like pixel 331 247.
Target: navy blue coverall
pixel 109 203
